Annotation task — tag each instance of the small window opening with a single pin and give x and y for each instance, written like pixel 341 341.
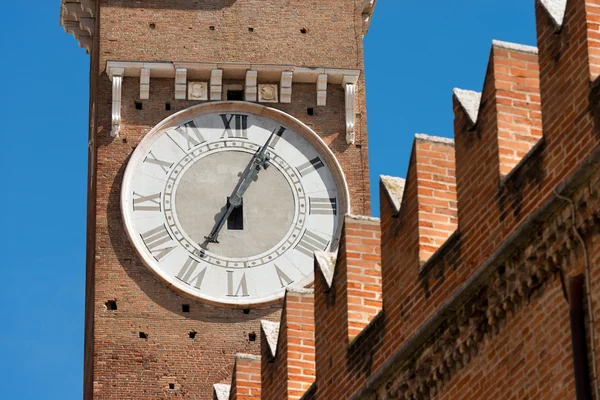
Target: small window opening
pixel 310 111
pixel 235 222
pixel 168 106
pixel 124 140
pixel 111 305
pixel 246 311
pixel 171 386
pixel 212 28
pixel 143 335
pixel 192 334
pixel 303 31
pixel 250 29
pixel 252 336
pixel 185 308
pixel 152 25
pixel 138 105
pixel 235 95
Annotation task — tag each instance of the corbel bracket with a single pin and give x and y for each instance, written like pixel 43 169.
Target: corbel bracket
pixel 180 83
pixel 251 85
pixel 349 84
pixel 216 84
pixel 285 87
pixel 145 84
pixel 322 90
pixel 116 76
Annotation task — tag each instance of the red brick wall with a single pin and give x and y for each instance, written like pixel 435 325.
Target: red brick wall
pixel 345 308
pixel 291 372
pixel 245 382
pixel 118 363
pixel 435 165
pixel 485 316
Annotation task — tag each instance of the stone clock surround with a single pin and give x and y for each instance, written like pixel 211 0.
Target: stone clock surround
pixel 275 115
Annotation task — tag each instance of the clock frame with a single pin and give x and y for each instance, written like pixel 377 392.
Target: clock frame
pixel 236 283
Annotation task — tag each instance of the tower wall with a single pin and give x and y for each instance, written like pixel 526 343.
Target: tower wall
pixel 168 363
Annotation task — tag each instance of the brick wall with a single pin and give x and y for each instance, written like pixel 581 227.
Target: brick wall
pixel 245 381
pixel 289 372
pixel 347 298
pixel 480 311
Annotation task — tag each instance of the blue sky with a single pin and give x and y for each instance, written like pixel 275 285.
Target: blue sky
pixel 416 52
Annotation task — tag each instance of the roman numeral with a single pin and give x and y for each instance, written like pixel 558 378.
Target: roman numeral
pixel 242 288
pixel 310 166
pixel 284 280
pixel 310 243
pixel 192 140
pixel 187 271
pixel 146 203
pixel 154 239
pixel 164 165
pixel 323 206
pixel 277 136
pixel 240 126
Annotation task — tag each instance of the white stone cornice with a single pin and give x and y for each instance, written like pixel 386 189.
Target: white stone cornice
pixel 326 262
pixel 116 76
pixel 266 72
pixel 285 87
pixel 200 73
pixel 394 187
pixel 78 18
pixel 469 100
pixel 556 9
pixel 271 332
pixel 368 7
pixel 221 391
pixel 349 84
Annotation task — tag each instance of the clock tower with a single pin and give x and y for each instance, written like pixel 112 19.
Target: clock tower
pixel 227 139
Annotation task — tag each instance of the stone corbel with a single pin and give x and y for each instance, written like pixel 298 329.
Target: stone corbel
pixel 216 84
pixel 349 84
pixel 116 76
pixel 251 89
pixel 145 84
pixel 180 84
pixel 285 87
pixel 322 90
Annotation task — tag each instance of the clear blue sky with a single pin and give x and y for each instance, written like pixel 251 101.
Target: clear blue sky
pixel 416 52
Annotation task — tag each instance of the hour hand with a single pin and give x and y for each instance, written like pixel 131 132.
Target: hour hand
pixel 214 234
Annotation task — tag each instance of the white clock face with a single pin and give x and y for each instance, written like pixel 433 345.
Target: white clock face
pixel 228 202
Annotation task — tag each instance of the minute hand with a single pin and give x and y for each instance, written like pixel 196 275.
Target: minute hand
pixel 259 161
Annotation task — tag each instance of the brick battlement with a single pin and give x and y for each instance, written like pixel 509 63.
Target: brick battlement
pixel 460 290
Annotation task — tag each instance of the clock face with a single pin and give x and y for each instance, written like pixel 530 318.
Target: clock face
pixel 228 202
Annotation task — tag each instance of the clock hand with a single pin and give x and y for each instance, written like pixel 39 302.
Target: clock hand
pixel 259 161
